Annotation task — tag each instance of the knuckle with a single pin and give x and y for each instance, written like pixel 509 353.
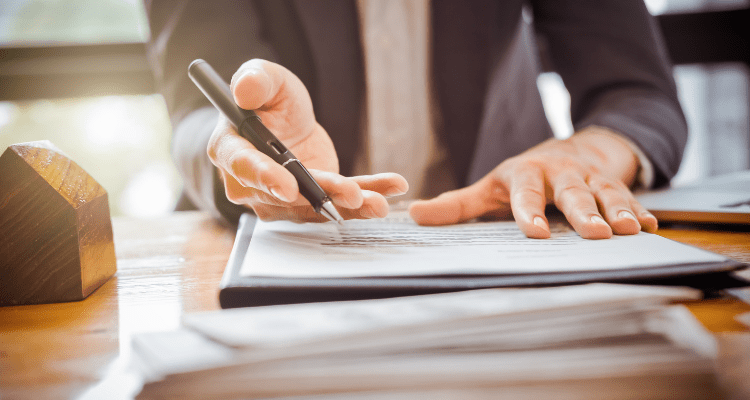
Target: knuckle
pixel 495 181
pixel 601 185
pixel 527 162
pixel 260 174
pixel 243 165
pixel 235 194
pixel 549 163
pixel 526 192
pixel 568 191
pixel 212 149
pixel 236 164
pixel 217 142
pixel 567 164
pixel 463 211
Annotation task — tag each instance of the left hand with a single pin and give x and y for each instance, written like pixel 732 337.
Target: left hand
pixel 586 176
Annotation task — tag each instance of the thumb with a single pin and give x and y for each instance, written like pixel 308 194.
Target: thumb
pixel 481 198
pixel 279 97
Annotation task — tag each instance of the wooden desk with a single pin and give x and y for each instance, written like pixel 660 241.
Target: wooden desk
pixel 171 266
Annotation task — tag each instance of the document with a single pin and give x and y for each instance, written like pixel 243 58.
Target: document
pixel 396 246
pixel 282 326
pixel 571 342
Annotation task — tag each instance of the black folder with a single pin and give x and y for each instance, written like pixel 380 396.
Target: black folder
pixel 245 291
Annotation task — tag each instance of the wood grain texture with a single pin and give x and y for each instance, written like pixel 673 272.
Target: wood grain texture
pixel 172 266
pixel 717 315
pixel 733 242
pixel 56 239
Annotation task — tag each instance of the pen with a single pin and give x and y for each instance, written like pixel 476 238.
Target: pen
pixel 250 127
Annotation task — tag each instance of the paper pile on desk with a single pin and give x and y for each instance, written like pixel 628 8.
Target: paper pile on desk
pixel 577 342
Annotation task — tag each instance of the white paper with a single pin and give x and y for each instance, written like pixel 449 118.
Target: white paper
pixel 284 325
pixel 396 246
pixel 594 334
pixel 159 353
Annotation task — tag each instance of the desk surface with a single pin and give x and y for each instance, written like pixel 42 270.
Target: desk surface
pixel 171 266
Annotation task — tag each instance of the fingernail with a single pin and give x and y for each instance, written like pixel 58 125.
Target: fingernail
pixel 626 214
pixel 648 215
pixel 597 220
pixel 278 195
pixel 539 221
pixel 393 191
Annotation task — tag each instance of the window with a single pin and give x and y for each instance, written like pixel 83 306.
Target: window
pixel 74 72
pixel 714 95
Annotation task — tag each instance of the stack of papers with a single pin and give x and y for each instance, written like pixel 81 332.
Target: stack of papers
pixel 573 342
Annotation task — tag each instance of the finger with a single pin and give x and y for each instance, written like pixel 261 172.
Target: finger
pixel 387 184
pixel 266 86
pixel 528 200
pixel 252 86
pixel 238 194
pixel 301 213
pixel 647 220
pixel 248 166
pixel 344 192
pixel 374 205
pixel 262 84
pixel 460 205
pixel 573 197
pixel 613 199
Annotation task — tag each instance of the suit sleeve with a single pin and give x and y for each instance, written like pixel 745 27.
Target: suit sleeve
pixel 611 56
pixel 225 33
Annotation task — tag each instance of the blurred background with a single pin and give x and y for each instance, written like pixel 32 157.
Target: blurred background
pixel 74 72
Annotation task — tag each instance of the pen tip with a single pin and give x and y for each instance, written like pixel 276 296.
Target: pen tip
pixel 330 212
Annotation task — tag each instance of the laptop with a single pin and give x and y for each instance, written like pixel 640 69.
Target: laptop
pixel 723 199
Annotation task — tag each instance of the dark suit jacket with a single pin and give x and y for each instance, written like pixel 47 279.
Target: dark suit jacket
pixel 608 52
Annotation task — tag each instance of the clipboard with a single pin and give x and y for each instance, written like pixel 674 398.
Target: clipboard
pixel 247 291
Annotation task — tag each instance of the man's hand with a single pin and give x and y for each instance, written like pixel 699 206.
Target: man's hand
pixel 254 179
pixel 586 176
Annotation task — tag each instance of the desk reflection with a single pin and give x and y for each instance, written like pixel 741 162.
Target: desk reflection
pixel 165 267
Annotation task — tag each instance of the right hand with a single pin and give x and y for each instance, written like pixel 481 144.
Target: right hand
pixel 253 179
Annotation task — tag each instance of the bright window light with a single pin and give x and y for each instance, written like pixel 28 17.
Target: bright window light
pixel 556 103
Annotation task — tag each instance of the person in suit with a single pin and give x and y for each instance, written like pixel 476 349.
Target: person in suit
pixel 441 91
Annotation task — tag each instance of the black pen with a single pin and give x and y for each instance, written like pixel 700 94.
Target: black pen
pixel 250 127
